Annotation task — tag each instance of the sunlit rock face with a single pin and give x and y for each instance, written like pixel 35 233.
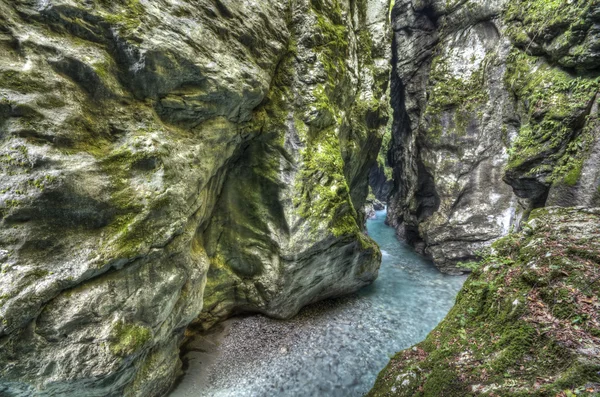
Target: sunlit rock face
pixel 161 157
pixel 495 113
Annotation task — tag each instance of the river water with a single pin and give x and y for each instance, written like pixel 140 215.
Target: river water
pixel 333 348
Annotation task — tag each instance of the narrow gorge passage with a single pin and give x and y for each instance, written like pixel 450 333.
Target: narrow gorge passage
pixel 332 348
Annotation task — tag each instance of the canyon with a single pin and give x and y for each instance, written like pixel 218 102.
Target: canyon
pixel 168 165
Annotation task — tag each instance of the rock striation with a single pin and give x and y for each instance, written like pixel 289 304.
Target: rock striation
pixel 169 162
pixel 495 113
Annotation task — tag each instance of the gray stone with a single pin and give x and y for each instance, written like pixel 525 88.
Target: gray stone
pixel 161 157
pixel 470 145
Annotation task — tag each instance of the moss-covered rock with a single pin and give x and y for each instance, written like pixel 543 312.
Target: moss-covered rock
pixel 158 157
pixel 126 339
pixel 525 322
pixel 295 194
pixel 448 144
pixel 496 113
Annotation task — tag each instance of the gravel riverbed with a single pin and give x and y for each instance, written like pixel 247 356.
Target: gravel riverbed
pixel 332 348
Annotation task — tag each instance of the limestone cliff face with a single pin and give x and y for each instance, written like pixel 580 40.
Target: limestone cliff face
pixel 495 113
pixel 496 104
pixel 285 235
pixel 163 162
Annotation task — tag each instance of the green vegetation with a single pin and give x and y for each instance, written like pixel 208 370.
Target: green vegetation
pixel 554 104
pixel 531 20
pixel 382 155
pixel 461 97
pixel 127 339
pixel 521 323
pixel 7 206
pixel 126 14
pixel 132 233
pixel 24 82
pixel 332 40
pixel 41 183
pixel 325 194
pixel 219 293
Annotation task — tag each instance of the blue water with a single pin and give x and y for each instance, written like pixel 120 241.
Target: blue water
pixel 334 348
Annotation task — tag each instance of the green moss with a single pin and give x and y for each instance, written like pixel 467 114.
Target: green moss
pixel 443 381
pixel 220 291
pixel 7 205
pixel 126 14
pixel 41 183
pixel 554 103
pixel 127 339
pixel 50 102
pixel 516 342
pixel 459 97
pixel 447 91
pixel 579 374
pixel 37 274
pixel 24 82
pixel 539 20
pixel 324 193
pixel 131 230
pixel 331 40
pixel 149 366
pixel 572 177
pixel 507 333
pixel 16 157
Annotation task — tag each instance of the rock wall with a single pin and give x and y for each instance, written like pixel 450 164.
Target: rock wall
pixel 381 174
pixel 496 127
pixel 166 162
pixel 495 114
pixel 327 110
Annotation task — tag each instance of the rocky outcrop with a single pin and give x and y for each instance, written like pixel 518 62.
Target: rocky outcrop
pixel 315 86
pixel 380 177
pixel 496 128
pixel 372 205
pixel 163 159
pixel 495 113
pixel 525 323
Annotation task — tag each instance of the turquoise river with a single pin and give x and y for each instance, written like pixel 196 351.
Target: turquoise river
pixel 333 348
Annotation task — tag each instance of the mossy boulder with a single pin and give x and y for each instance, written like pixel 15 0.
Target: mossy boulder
pixel 525 322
